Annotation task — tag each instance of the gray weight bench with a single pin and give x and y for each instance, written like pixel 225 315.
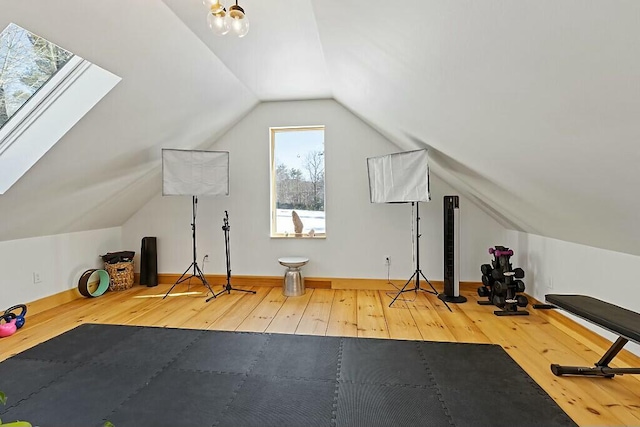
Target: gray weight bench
pixel 622 322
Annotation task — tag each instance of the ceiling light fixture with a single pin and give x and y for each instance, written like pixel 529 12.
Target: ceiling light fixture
pixel 222 22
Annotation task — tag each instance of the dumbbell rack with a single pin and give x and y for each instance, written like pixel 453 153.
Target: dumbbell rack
pixel 501 284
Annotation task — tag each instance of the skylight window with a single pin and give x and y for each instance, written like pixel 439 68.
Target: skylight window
pixel 44 91
pixel 27 62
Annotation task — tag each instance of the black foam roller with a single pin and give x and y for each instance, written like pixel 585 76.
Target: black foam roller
pixel 149 262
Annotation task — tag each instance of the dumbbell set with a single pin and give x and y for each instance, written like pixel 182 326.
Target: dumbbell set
pixel 12 321
pixel 501 284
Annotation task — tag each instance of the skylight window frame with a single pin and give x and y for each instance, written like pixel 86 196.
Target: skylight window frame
pixel 41 100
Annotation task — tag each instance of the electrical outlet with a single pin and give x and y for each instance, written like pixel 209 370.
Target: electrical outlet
pixel 550 283
pixel 36 277
pixel 387 260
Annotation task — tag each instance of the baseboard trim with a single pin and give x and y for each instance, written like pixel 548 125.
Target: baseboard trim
pixel 52 301
pixel 313 282
pixel 216 280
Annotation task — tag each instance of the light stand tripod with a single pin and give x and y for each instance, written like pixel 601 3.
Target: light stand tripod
pixel 418 273
pixel 196 270
pixel 228 288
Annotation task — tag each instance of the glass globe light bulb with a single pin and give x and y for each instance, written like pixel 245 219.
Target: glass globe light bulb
pixel 239 26
pixel 238 21
pixel 218 23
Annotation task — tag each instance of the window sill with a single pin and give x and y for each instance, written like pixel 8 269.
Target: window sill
pixel 303 237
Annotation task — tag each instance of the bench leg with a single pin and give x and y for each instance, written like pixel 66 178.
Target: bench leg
pixel 601 368
pixel 612 352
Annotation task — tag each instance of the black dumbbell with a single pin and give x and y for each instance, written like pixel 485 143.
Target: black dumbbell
pixel 483 292
pixel 500 288
pixel 497 274
pixel 519 284
pixel 519 273
pixel 487 281
pixel 522 301
pixel 499 301
pixel 486 269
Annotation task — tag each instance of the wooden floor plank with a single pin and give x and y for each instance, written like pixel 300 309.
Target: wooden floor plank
pixel 458 323
pixel 288 317
pixel 205 317
pixel 371 321
pixel 260 318
pixel 428 321
pixel 315 319
pixel 234 316
pixel 343 319
pixel 123 307
pixel 400 321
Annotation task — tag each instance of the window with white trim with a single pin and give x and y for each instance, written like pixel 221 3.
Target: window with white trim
pixel 297 182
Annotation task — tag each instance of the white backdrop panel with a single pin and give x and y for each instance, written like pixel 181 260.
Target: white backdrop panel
pixel 399 177
pixel 195 173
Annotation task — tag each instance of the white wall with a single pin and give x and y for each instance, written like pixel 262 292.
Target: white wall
pixel 560 267
pixel 359 234
pixel 59 260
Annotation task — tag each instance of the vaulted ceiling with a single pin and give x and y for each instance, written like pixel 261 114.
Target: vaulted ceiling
pixel 529 108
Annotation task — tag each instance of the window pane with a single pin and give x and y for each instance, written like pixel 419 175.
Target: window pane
pixel 298 162
pixel 27 62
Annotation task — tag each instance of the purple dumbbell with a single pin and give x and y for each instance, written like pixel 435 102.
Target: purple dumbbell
pixel 499 253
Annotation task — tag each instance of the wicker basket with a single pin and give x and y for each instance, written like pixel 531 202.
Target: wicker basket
pixel 120 275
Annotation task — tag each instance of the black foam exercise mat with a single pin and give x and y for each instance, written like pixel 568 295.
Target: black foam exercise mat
pixel 279 402
pixel 149 347
pixel 80 344
pixel 486 366
pixel 83 397
pixel 217 351
pixel 371 405
pixel 376 361
pixel 284 357
pixel 19 378
pixel 478 408
pixel 178 398
pixel 142 376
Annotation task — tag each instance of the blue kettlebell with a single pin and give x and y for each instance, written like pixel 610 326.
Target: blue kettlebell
pixel 20 320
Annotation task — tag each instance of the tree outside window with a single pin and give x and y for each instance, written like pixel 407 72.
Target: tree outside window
pixel 27 62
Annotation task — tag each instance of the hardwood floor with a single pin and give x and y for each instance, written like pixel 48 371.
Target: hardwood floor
pixel 533 341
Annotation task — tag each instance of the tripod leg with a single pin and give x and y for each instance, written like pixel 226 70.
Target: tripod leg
pixel 200 275
pixel 434 291
pixel 180 280
pixel 228 288
pixel 404 288
pixel 243 290
pixel 427 280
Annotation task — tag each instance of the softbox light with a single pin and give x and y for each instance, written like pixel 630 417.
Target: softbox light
pixel 399 177
pixel 195 173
